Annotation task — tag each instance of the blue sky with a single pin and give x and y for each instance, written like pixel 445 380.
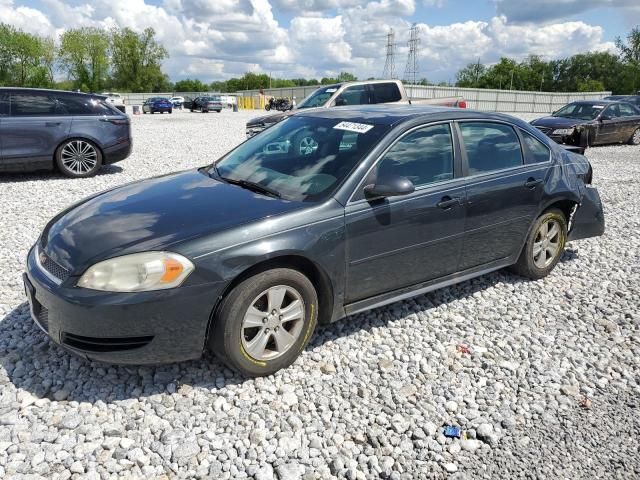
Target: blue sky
pixel 216 39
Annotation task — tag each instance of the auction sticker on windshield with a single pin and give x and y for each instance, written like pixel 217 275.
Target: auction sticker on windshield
pixel 353 127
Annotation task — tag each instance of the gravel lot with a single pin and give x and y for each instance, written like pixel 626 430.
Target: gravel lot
pixel 548 388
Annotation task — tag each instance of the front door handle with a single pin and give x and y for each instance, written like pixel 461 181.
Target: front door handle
pixel 447 202
pixel 532 182
pixel 52 124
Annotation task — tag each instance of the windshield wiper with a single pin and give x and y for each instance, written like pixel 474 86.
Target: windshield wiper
pixel 249 185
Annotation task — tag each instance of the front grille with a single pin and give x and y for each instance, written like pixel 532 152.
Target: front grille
pixel 55 269
pixel 545 130
pixel 104 344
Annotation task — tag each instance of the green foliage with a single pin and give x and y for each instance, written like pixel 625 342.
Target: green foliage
pixel 189 85
pixel 26 60
pixel 84 55
pixel 136 61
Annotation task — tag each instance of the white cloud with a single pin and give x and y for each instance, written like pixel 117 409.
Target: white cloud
pixel 214 39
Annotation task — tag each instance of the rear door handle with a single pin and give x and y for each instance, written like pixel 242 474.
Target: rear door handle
pixel 447 202
pixel 52 124
pixel 532 182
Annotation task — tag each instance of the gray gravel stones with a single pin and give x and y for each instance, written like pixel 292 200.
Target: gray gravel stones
pixel 550 387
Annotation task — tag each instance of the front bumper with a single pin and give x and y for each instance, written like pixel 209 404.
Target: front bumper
pixel 588 219
pixel 122 328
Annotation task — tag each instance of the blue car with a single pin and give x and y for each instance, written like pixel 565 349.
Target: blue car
pixel 157 104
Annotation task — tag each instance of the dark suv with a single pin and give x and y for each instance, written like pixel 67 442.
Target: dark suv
pixel 75 132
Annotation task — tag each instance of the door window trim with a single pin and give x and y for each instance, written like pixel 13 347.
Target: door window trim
pixel 463 150
pixel 456 163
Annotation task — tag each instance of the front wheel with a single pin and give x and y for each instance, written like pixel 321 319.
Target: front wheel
pixel 78 158
pixel 267 107
pixel 635 138
pixel 265 322
pixel 544 246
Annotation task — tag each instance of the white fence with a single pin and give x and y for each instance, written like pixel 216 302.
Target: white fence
pixel 477 98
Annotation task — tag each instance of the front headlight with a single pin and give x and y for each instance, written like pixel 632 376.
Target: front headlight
pixel 137 272
pixel 563 131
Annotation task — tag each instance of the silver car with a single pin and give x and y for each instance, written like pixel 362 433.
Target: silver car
pixel 75 133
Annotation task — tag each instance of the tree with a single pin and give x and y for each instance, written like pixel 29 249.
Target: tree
pixel 470 75
pixel 189 85
pixel 25 59
pixel 136 60
pixel 84 54
pixel 630 54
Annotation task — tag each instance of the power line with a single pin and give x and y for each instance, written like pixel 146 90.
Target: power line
pixel 390 62
pixel 411 70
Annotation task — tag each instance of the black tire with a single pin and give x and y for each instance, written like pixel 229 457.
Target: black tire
pixel 635 137
pixel 170 111
pixel 76 144
pixel 225 336
pixel 267 107
pixel 192 110
pixel 526 265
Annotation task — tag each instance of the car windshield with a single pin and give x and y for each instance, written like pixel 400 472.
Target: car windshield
pixel 300 158
pixel 318 98
pixel 580 111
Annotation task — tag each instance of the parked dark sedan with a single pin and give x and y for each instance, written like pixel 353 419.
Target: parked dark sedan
pixel 632 99
pixel 328 213
pixel 76 133
pixel 592 122
pixel 157 104
pixel 205 104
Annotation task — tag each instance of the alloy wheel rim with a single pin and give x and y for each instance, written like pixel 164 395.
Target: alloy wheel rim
pixel 547 243
pixel 79 157
pixel 636 136
pixel 273 322
pixel 308 145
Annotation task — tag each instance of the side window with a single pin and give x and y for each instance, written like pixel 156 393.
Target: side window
pixel 537 152
pixel 424 156
pixel 490 146
pixel 4 105
pixel 32 104
pixel 626 110
pixel 386 93
pixel 612 111
pixel 76 105
pixel 356 95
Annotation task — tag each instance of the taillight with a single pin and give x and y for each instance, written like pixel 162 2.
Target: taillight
pixel 462 104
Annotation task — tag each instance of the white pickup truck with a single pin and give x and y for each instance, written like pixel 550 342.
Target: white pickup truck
pixel 352 93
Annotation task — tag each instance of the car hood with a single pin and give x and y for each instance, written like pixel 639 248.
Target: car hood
pixel 558 122
pixel 270 119
pixel 153 215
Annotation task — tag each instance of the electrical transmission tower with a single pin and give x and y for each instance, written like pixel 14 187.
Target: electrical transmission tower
pixel 412 69
pixel 390 62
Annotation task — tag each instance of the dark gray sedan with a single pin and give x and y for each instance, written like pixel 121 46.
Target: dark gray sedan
pixel 76 133
pixel 328 213
pixel 593 122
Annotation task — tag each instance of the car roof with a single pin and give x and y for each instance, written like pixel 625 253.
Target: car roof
pixel 390 114
pixel 594 102
pixel 49 90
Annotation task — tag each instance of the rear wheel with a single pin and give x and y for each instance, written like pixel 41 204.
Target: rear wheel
pixel 265 322
pixel 78 158
pixel 170 110
pixel 635 138
pixel 544 246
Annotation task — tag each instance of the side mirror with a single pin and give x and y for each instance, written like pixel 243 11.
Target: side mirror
pixel 389 186
pixel 340 102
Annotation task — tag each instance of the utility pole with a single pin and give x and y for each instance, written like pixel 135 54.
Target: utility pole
pixel 390 62
pixel 511 86
pixel 412 69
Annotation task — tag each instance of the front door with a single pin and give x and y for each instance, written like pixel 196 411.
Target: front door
pixel 503 193
pixel 401 241
pixel 34 129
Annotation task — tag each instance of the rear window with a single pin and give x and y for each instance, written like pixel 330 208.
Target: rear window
pixel 32 104
pixel 490 146
pixel 537 152
pixel 386 93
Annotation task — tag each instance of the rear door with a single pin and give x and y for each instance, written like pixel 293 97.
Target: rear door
pixel 610 124
pixel 629 121
pixel 34 129
pixel 4 113
pixel 503 191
